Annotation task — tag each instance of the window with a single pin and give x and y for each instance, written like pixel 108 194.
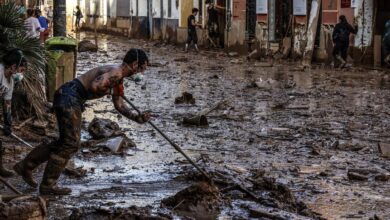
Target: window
pixel 169 8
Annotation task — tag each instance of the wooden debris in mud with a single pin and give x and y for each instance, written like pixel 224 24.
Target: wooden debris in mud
pixel 23 208
pixel 186 98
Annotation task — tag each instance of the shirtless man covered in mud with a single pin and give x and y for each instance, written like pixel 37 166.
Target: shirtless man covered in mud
pixel 68 105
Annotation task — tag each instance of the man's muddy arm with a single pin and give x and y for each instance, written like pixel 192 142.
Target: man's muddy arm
pixel 124 110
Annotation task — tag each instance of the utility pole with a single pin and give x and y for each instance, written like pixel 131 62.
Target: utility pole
pixel 59 18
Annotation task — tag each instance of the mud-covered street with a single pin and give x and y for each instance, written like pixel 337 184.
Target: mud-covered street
pixel 315 131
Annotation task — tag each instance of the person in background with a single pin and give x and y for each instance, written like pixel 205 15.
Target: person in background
pixel 386 43
pixel 49 15
pixel 212 21
pixel 341 39
pixel 44 24
pixel 21 10
pixel 192 36
pixel 11 71
pixel 79 16
pixel 32 25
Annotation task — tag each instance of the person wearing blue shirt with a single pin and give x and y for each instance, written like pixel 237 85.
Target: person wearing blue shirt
pixel 44 24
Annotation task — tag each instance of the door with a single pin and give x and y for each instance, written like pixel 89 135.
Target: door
pixel 250 27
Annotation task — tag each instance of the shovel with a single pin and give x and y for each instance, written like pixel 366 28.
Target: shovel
pixel 171 142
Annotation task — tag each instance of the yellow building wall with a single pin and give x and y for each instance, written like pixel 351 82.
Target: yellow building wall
pixel 185 11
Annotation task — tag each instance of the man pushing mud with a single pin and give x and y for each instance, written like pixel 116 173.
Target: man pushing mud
pixel 68 106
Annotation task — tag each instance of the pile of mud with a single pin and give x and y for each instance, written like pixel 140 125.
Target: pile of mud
pixel 133 212
pixel 200 201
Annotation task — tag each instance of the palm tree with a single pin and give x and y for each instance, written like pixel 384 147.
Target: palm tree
pixel 30 95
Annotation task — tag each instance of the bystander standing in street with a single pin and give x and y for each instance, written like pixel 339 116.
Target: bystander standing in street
pixel 192 36
pixel 49 16
pixel 79 16
pixel 33 27
pixel 341 40
pixel 212 22
pixel 44 24
pixel 386 43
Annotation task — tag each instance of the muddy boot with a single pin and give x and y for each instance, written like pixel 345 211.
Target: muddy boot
pixel 186 49
pixel 55 166
pixel 4 172
pixel 342 61
pixel 25 168
pixel 196 48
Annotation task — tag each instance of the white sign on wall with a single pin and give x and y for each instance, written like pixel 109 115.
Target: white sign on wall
pixel 299 7
pixel 261 6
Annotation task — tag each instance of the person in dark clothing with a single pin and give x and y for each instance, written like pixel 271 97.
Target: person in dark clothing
pixel 212 20
pixel 192 36
pixel 341 39
pixel 386 43
pixel 79 16
pixel 68 105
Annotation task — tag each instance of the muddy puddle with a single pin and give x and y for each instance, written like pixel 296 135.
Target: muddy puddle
pixel 304 128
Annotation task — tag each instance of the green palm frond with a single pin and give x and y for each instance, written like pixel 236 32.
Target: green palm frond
pixel 13 35
pixel 10 17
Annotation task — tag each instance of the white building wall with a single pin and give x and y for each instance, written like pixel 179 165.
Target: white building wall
pixel 112 4
pixel 175 10
pixel 133 7
pixel 365 21
pixel 142 8
pixel 156 8
pixel 165 8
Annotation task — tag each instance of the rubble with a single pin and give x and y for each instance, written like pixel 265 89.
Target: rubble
pixel 23 208
pixel 384 149
pixel 186 98
pixel 87 46
pixel 199 201
pixel 103 128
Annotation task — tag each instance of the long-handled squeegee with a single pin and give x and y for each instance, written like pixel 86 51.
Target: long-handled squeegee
pixel 171 142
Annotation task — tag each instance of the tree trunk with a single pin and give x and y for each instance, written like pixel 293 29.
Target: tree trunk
pixel 59 18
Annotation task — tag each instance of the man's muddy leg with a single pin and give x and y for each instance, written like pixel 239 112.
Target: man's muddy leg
pixel 36 157
pixel 69 124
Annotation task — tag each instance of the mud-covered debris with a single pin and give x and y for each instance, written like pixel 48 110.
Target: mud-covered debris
pixel 264 214
pixel 181 59
pixel 200 120
pixel 384 149
pixel 107 213
pixel 233 54
pixel 349 146
pixel 382 177
pixel 186 98
pixel 117 144
pixel 87 46
pixel 76 172
pixel 200 201
pixel 103 128
pixel 357 176
pixel 265 84
pixel 23 208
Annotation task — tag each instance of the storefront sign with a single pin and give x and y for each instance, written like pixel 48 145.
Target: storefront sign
pixel 345 3
pixel 261 6
pixel 299 7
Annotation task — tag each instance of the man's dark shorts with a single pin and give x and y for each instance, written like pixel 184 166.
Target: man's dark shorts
pixel 192 36
pixel 70 95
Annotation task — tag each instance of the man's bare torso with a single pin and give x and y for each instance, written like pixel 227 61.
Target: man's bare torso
pixel 99 81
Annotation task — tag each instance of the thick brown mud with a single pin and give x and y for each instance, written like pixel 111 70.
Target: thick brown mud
pixel 291 136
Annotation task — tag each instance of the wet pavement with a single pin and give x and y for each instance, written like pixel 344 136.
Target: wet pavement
pixel 306 128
